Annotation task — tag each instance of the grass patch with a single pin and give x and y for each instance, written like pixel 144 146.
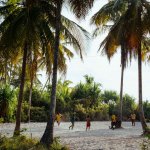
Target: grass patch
pixel 24 143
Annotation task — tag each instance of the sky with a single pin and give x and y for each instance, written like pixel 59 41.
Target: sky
pixel 104 72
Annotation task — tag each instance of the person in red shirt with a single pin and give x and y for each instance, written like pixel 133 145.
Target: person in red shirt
pixel 88 123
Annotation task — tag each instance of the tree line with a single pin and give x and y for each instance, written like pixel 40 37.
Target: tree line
pixel 85 98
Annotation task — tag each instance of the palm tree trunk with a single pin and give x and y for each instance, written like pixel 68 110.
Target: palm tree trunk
pixel 121 91
pixel 48 136
pixel 30 99
pixel 141 112
pixel 122 77
pixel 20 98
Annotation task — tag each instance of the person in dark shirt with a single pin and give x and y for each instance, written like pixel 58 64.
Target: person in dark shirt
pixel 72 120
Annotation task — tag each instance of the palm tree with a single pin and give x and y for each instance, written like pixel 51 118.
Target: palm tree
pixel 23 21
pixel 47 137
pixel 131 27
pixel 103 20
pixel 138 14
pixel 36 35
pixel 18 23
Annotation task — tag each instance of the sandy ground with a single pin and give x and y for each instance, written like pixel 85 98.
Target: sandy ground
pixel 100 137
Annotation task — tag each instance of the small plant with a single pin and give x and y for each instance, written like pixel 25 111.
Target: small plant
pixel 24 143
pixel 145 145
pixel 57 146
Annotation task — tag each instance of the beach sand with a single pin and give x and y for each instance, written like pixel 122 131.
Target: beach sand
pixel 100 137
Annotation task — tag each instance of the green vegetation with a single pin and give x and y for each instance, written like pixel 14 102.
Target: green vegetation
pixel 84 98
pixel 8 101
pixel 24 143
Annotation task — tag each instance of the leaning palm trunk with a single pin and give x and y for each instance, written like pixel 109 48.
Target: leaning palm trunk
pixel 48 136
pixel 20 98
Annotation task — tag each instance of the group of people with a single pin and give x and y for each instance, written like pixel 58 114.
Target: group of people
pixel 58 118
pixel 115 121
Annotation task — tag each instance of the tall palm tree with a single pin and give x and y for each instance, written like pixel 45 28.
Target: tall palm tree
pixel 103 19
pixel 133 26
pixel 80 8
pixel 26 20
pixel 138 14
pixel 18 23
pixel 39 61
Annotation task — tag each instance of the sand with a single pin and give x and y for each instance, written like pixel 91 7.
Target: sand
pixel 100 137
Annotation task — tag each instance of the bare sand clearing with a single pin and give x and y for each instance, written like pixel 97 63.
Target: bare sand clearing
pixel 100 137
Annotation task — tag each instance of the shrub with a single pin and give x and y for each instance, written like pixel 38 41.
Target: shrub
pixel 16 143
pixel 1 120
pixel 24 143
pixel 8 102
pixel 81 112
pixel 57 146
pixel 38 114
pixel 145 145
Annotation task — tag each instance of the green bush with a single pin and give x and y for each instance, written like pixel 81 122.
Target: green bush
pixel 57 146
pixel 24 143
pixel 1 120
pixel 16 143
pixel 80 112
pixel 96 113
pixel 8 102
pixel 38 99
pixel 24 112
pixel 101 113
pixel 38 114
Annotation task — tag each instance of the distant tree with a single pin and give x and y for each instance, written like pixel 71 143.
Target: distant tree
pixel 129 106
pixel 87 93
pixel 107 96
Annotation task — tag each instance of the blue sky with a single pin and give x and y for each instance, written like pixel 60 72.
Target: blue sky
pixel 108 74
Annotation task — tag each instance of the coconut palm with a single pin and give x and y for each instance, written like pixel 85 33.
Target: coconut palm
pixel 37 32
pixel 80 8
pixel 138 14
pixel 39 62
pixel 104 19
pixel 131 28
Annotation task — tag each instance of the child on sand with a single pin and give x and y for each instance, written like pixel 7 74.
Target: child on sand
pixel 72 120
pixel 133 117
pixel 88 123
pixel 113 122
pixel 58 118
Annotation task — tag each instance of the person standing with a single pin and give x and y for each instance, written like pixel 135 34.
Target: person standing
pixel 88 123
pixel 58 118
pixel 72 120
pixel 133 117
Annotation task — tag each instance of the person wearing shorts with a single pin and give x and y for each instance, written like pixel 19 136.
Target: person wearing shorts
pixel 88 123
